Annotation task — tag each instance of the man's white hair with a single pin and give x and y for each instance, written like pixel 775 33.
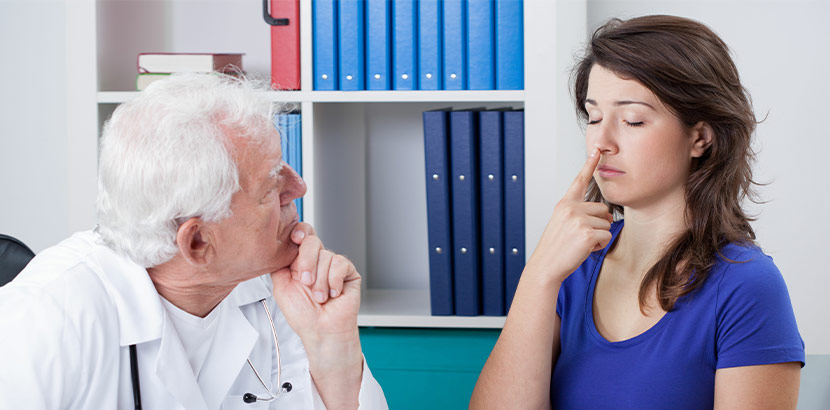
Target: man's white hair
pixel 167 156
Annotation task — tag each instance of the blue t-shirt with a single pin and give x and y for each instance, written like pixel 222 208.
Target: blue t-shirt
pixel 740 316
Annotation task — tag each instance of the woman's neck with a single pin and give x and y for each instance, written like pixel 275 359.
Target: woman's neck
pixel 647 234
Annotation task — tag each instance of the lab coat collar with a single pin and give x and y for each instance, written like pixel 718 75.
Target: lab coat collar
pixel 140 313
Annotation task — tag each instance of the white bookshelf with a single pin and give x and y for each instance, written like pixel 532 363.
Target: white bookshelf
pixel 362 150
pixel 117 97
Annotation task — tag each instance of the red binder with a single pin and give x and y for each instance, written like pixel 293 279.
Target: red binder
pixel 285 43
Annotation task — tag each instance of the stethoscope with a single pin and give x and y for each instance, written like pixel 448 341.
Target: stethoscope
pixel 247 397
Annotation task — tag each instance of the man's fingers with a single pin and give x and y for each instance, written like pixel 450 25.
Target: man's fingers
pixel 580 184
pixel 301 230
pixel 320 291
pixel 342 270
pixel 306 263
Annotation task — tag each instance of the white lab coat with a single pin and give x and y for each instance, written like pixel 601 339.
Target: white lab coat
pixel 66 323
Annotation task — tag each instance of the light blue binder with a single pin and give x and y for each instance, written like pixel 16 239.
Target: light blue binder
pixel 404 37
pixel 455 45
pixel 324 16
pixel 430 55
pixel 351 28
pixel 509 45
pixel 378 50
pixel 480 45
pixel 296 142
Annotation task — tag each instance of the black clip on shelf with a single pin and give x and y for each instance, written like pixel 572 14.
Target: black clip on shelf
pixel 270 20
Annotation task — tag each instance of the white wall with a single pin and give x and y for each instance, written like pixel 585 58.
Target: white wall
pixel 782 49
pixel 34 195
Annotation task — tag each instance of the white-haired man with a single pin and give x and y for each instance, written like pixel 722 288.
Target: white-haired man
pixel 199 289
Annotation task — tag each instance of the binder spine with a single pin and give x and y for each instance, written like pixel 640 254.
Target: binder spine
pixel 352 46
pixel 514 204
pixel 430 55
pixel 326 42
pixel 509 45
pixel 455 45
pixel 480 45
pixel 405 57
pixel 378 50
pixel 465 218
pixel 492 213
pixel 439 211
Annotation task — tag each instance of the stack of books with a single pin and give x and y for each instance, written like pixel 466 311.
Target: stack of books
pixel 475 209
pixel 418 45
pixel 155 66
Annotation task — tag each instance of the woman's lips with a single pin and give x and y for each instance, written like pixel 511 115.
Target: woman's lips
pixel 606 171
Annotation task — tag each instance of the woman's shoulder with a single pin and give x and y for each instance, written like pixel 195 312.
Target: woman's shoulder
pixel 744 268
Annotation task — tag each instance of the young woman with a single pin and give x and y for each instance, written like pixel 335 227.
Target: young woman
pixel 674 307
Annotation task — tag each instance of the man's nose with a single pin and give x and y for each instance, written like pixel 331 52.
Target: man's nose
pixel 295 187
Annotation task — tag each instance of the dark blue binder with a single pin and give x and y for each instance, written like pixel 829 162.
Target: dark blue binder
pixel 455 44
pixel 351 29
pixel 510 59
pixel 324 26
pixel 378 50
pixel 439 211
pixel 480 45
pixel 492 212
pixel 430 56
pixel 514 201
pixel 404 37
pixel 465 215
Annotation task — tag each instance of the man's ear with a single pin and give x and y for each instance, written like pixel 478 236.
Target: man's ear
pixel 195 242
pixel 702 137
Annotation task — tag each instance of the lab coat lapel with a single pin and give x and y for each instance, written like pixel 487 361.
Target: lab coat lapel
pixel 174 371
pixel 235 339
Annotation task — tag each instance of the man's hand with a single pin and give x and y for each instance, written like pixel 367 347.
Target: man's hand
pixel 319 294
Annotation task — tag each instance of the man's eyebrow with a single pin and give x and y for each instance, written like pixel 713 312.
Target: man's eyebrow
pixel 622 102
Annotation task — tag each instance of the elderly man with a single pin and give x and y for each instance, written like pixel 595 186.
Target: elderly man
pixel 199 289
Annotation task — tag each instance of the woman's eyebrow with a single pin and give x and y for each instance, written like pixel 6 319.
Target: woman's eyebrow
pixel 622 102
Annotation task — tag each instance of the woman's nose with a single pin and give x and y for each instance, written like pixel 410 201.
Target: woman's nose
pixel 603 138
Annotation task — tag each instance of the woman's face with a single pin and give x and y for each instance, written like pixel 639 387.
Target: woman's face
pixel 646 150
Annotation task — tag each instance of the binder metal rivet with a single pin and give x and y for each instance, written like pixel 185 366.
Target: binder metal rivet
pixel 492 250
pixel 453 76
pixel 461 177
pixel 377 76
pixel 429 75
pixel 348 77
pixel 325 76
pixel 515 251
pixel 490 177
pixel 404 76
pixel 515 178
pixel 438 250
pixel 463 250
pixel 435 176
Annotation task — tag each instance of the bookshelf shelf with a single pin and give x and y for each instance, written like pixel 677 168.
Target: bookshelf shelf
pixel 410 308
pixel 117 97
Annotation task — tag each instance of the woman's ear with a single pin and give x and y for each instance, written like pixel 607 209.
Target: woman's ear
pixel 194 241
pixel 702 136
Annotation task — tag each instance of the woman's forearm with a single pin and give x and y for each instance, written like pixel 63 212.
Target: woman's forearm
pixel 517 373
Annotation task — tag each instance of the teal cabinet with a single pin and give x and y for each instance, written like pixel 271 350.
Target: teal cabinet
pixel 427 368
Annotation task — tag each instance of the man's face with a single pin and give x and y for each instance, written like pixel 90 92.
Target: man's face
pixel 255 239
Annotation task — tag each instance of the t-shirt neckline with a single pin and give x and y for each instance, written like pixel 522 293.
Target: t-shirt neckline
pixel 589 303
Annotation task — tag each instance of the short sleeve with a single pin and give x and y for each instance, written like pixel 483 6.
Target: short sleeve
pixel 755 320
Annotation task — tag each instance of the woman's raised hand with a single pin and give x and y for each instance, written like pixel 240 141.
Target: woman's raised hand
pixel 575 229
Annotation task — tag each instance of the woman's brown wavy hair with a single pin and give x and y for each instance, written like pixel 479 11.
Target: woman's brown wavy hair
pixel 689 68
